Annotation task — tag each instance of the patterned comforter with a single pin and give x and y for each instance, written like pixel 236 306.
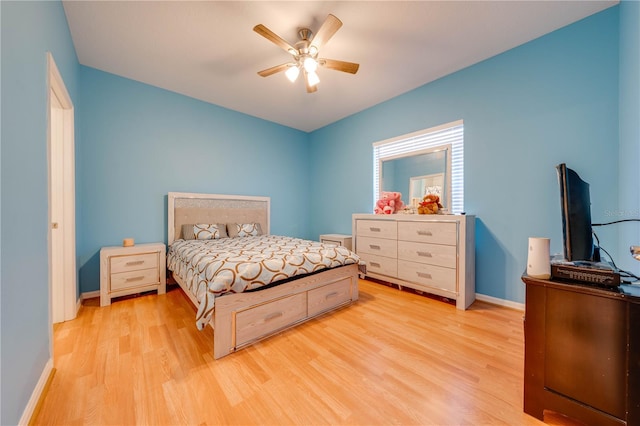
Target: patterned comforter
pixel 211 268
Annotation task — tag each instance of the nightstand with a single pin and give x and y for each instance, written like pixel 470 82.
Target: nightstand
pixel 131 270
pixel 337 239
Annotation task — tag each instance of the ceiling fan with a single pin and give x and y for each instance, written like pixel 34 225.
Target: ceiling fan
pixel 305 53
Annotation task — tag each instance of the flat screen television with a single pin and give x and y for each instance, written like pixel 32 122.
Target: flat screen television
pixel 575 203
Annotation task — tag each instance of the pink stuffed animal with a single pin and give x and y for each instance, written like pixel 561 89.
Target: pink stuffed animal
pixel 389 203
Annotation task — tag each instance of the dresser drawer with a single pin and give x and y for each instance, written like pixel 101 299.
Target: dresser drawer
pixel 380 264
pixel 133 262
pixel 262 320
pixel 427 275
pixel 131 279
pixel 328 296
pixel 377 229
pixel 433 254
pixel 428 232
pixel 377 246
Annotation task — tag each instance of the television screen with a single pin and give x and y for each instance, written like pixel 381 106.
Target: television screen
pixel 576 216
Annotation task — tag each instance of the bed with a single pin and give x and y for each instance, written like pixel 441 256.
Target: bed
pixel 246 283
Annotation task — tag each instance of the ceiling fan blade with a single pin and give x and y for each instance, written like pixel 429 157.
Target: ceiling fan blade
pixel 310 88
pixel 326 31
pixel 273 70
pixel 273 37
pixel 343 66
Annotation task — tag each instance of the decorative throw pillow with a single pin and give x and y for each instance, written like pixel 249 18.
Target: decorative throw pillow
pixel 209 231
pixel 187 232
pixel 243 229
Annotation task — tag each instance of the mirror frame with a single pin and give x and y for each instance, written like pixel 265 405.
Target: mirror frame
pixel 447 173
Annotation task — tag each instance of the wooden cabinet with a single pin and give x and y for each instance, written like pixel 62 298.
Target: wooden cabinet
pixel 430 253
pixel 130 270
pixel 337 239
pixel 582 353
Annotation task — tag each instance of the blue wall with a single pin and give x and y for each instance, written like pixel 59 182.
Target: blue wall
pixel 29 30
pixel 629 196
pixel 140 142
pixel 549 101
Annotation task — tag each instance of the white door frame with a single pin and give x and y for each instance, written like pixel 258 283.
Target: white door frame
pixel 60 109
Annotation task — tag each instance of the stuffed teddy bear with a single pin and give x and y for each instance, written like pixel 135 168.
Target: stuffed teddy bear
pixel 389 203
pixel 430 204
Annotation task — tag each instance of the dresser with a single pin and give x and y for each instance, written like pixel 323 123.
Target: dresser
pixel 430 253
pixel 131 270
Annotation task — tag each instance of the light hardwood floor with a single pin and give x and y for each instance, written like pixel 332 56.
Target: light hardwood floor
pixel 391 358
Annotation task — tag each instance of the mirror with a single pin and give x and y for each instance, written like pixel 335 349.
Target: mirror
pixel 419 173
pixel 419 186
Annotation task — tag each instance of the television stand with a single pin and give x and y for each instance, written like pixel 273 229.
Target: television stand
pixel 582 352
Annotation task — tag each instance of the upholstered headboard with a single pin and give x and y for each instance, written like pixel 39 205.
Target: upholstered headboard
pixel 191 208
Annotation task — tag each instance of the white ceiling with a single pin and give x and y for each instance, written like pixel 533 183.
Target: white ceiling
pixel 209 51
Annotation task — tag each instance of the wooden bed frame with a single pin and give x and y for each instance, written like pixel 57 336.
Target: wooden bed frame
pixel 241 319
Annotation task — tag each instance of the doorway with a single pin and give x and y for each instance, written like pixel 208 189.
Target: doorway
pixel 62 236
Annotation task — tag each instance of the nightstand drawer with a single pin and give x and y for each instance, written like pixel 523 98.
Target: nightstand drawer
pixel 133 262
pixel 134 278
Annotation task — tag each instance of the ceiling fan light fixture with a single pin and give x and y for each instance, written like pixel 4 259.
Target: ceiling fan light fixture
pixel 292 73
pixel 305 53
pixel 312 78
pixel 310 65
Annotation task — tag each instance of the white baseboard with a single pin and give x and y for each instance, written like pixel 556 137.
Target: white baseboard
pixel 37 393
pixel 90 295
pixel 500 302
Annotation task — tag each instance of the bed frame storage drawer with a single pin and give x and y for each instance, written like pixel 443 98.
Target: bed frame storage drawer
pixel 328 297
pixel 262 320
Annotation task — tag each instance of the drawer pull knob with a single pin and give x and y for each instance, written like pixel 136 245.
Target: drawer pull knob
pixel 374 229
pixel 427 233
pixel 135 262
pixel 330 295
pixel 134 279
pixel 423 275
pixel 424 254
pixel 374 247
pixel 273 316
pixel 374 264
